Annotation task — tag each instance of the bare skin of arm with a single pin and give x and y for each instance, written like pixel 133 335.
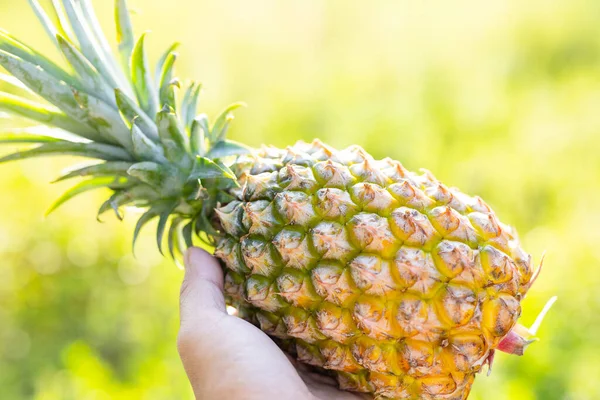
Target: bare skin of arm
pixel 226 357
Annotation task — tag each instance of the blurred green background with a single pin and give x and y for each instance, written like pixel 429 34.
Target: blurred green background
pixel 499 98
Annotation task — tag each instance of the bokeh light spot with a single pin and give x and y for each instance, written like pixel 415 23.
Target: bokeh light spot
pixel 45 258
pixel 132 271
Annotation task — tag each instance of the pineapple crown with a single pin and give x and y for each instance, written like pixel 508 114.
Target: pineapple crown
pixel 156 152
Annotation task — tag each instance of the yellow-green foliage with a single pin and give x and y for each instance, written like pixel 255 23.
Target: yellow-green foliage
pixel 500 98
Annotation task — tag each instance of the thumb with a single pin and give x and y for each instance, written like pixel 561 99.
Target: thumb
pixel 202 287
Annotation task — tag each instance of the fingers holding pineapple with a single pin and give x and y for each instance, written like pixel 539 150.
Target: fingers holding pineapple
pixel 202 288
pixel 224 356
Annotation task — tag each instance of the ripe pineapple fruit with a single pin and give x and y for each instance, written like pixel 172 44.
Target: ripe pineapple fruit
pixel 396 284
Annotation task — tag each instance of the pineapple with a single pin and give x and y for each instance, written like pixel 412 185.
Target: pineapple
pixel 387 279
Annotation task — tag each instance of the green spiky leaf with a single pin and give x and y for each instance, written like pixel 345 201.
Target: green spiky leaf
pixel 142 78
pixel 110 168
pixel 198 134
pixel 172 235
pixel 104 118
pixel 110 204
pixel 221 125
pixel 48 115
pixel 144 148
pixel 189 104
pixel 186 232
pixel 18 49
pixel 165 178
pixel 92 81
pixel 88 43
pixel 131 111
pixel 41 82
pixel 226 148
pixel 151 173
pixel 205 168
pixel 85 186
pixel 21 136
pixel 62 21
pixel 125 36
pixel 172 136
pixel 77 104
pixel 44 20
pixel 162 225
pixel 92 150
pixel 88 13
pixel 136 194
pixel 13 85
pixel 167 83
pixel 202 224
pixel 162 60
pixel 144 219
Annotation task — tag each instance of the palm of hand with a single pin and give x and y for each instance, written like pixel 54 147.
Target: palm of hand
pixel 226 357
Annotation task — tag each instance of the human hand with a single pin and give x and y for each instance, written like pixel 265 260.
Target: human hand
pixel 226 357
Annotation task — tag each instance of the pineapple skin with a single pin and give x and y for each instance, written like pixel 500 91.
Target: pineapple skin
pixel 398 285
